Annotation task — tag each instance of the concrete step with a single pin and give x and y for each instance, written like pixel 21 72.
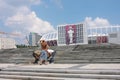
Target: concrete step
pixel 87 61
pixel 29 77
pixel 55 70
pixel 8 79
pixel 16 77
pixel 54 76
pixel 58 73
pixel 85 57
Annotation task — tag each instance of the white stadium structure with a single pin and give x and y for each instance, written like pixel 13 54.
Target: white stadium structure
pixel 51 38
pixel 81 34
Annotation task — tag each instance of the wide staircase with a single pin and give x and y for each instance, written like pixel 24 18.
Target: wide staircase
pixel 76 54
pixel 104 53
pixel 19 55
pixel 19 72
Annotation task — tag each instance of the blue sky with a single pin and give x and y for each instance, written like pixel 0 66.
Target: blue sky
pixel 73 11
pixel 43 16
pixel 77 10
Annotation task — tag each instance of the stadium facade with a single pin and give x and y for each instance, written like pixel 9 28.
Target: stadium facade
pixel 114 38
pixel 51 38
pixel 103 30
pixel 102 34
pixel 71 34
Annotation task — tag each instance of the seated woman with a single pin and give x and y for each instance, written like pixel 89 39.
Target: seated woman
pixel 36 55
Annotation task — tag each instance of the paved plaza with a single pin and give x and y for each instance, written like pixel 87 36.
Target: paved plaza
pixel 63 66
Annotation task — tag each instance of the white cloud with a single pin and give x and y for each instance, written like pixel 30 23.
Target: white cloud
pixel 29 23
pixel 10 7
pixel 18 16
pixel 97 22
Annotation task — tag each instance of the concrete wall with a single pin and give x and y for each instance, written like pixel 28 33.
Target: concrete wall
pixel 7 43
pixel 114 38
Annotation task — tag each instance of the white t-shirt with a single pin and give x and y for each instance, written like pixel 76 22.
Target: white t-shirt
pixel 50 51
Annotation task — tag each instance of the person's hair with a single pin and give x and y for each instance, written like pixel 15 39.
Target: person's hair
pixel 43 44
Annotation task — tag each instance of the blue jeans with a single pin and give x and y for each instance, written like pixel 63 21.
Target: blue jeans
pixel 51 59
pixel 43 55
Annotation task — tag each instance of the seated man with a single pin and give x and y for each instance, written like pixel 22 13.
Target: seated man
pixel 51 57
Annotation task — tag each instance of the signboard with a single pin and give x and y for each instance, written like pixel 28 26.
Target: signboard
pixel 70 34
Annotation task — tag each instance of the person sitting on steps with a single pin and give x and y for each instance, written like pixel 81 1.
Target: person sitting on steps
pixel 44 47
